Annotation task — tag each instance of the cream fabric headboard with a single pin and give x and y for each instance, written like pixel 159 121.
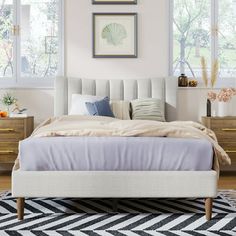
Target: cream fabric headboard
pixel 162 88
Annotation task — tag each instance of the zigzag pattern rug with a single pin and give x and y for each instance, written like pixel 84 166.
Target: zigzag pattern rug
pixel 134 217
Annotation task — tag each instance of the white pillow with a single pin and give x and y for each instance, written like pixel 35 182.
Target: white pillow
pixel 78 101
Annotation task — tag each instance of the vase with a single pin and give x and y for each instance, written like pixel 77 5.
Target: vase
pixel 183 81
pixel 208 108
pixel 232 106
pixel 214 108
pixel 223 109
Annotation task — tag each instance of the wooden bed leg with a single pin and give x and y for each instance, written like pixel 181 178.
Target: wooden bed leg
pixel 208 208
pixel 20 208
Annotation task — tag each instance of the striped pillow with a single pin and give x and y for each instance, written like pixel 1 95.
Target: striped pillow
pixel 148 109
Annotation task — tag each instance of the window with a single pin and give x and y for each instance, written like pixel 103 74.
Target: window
pixel 31 39
pixel 7 20
pixel 227 37
pixel 203 28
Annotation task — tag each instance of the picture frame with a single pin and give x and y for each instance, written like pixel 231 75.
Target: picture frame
pixel 116 2
pixel 115 35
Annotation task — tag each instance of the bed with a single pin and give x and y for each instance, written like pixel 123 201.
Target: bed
pixel 93 181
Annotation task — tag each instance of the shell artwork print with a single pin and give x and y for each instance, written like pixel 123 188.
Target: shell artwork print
pixel 114 33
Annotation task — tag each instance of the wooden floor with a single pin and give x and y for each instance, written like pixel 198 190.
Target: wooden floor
pixel 226 181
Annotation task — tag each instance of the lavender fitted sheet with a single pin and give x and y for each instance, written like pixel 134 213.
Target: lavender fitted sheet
pixel 115 154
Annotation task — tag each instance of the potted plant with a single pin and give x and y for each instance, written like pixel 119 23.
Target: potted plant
pixel 8 100
pixel 223 97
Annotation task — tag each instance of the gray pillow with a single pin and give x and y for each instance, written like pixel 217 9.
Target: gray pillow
pixel 148 109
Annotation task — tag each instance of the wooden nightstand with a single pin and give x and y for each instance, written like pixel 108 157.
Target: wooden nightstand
pixel 13 130
pixel 225 130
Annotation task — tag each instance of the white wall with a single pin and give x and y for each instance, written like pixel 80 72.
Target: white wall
pixel 38 102
pixel 153 21
pixel 152 40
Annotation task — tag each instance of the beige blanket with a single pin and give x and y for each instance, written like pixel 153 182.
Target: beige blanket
pixel 105 126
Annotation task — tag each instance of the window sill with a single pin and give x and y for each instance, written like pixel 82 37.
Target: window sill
pixel 221 83
pixel 199 88
pixel 29 83
pixel 22 87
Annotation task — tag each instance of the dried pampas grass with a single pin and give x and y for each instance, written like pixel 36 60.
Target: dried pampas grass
pixel 214 73
pixel 204 71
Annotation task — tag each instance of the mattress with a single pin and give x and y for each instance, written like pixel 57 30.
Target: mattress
pixel 115 154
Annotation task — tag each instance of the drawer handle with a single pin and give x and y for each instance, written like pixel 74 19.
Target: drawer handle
pixel 7 152
pixel 231 151
pixel 7 130
pixel 229 129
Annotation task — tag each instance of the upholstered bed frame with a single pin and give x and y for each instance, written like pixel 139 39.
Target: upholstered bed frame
pixel 119 184
pixel 162 88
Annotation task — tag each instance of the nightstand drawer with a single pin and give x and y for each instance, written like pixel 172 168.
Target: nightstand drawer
pixel 9 147
pixel 223 124
pixel 8 159
pixel 8 152
pixel 14 135
pixel 11 123
pixel 233 163
pixel 11 130
pixel 225 136
pixel 225 130
pixel 228 145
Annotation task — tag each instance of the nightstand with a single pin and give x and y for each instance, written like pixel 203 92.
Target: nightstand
pixel 225 130
pixel 13 130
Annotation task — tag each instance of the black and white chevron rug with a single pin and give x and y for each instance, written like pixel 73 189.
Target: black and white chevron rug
pixel 149 217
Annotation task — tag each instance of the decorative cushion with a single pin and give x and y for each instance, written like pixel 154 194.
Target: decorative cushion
pixel 78 101
pixel 100 108
pixel 121 109
pixel 148 109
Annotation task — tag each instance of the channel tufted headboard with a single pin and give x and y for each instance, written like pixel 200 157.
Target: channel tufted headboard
pixel 162 88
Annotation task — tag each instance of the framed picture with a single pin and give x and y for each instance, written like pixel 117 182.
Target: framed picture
pixel 115 35
pixel 114 1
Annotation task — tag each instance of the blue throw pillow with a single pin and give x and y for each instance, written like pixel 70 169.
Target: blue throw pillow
pixel 100 108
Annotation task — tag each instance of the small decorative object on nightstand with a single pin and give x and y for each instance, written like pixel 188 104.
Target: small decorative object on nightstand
pixel 223 99
pixel 208 108
pixel 8 100
pixel 13 130
pixel 225 130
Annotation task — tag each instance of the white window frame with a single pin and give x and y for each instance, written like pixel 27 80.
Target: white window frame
pixel 222 82
pixel 16 81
